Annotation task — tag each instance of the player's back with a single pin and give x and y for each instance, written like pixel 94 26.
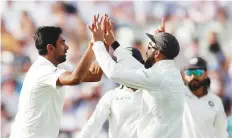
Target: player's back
pixel 162 109
pixel 40 104
pixel 125 108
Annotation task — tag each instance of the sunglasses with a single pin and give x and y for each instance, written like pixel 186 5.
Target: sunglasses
pixel 150 45
pixel 195 72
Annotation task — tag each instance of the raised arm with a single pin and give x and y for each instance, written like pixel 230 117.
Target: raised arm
pixel 95 72
pixel 79 73
pixel 130 77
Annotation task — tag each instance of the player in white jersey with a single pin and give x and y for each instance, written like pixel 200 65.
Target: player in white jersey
pixel 121 106
pixel 163 100
pixel 204 115
pixel 42 97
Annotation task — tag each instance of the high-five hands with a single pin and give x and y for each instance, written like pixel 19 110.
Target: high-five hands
pixel 96 29
pixel 102 30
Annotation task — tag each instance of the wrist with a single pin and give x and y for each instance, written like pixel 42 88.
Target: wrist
pixel 115 45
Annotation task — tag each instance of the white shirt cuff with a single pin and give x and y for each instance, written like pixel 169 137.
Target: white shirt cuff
pixel 98 45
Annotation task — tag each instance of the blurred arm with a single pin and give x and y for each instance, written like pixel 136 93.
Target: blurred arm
pixel 220 123
pixel 96 121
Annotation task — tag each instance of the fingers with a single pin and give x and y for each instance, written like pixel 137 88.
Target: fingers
pixel 105 24
pixel 99 24
pixel 111 23
pixel 163 23
pixel 91 28
pixel 161 28
pixel 98 15
pixel 96 24
pixel 94 19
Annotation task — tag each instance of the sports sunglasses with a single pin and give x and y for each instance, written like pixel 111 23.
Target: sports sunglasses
pixel 195 72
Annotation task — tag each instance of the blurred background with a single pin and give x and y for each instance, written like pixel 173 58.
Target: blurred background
pixel 202 28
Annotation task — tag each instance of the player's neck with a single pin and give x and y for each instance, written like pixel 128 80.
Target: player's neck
pixel 52 60
pixel 199 92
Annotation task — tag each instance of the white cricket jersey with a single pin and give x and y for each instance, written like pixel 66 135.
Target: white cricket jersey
pixel 163 103
pixel 204 117
pixel 121 107
pixel 40 102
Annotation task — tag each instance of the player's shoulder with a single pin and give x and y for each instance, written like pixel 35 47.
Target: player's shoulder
pixel 112 93
pixel 214 99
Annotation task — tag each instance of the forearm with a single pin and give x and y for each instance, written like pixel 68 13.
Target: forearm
pixel 95 72
pixel 117 72
pixel 82 67
pixel 77 75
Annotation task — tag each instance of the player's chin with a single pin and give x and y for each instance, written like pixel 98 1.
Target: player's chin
pixel 62 59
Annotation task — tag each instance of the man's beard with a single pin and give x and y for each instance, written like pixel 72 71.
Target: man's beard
pixel 149 62
pixel 61 59
pixel 194 85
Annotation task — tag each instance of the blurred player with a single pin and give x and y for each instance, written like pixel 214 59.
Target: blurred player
pixel 204 115
pixel 42 97
pixel 120 106
pixel 163 102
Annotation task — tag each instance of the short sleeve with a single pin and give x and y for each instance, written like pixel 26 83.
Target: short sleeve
pixel 50 78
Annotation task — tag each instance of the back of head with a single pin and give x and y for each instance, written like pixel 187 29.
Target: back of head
pixel 46 35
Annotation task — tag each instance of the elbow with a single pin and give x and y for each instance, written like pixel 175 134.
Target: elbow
pixel 96 78
pixel 99 76
pixel 75 80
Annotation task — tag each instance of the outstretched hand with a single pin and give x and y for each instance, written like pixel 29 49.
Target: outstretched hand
pixel 96 29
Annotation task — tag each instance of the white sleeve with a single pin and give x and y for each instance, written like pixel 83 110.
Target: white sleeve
pixel 51 77
pixel 123 54
pixel 96 121
pixel 220 123
pixel 135 78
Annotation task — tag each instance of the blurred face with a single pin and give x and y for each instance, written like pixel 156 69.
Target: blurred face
pixel 212 38
pixel 151 52
pixel 194 78
pixel 60 50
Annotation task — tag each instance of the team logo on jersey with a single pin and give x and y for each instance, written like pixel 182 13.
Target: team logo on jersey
pixel 211 103
pixel 122 98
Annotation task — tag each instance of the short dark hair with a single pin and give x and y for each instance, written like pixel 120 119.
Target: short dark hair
pixel 46 35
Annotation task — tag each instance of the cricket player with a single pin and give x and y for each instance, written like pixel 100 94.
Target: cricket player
pixel 204 115
pixel 163 100
pixel 42 96
pixel 120 106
